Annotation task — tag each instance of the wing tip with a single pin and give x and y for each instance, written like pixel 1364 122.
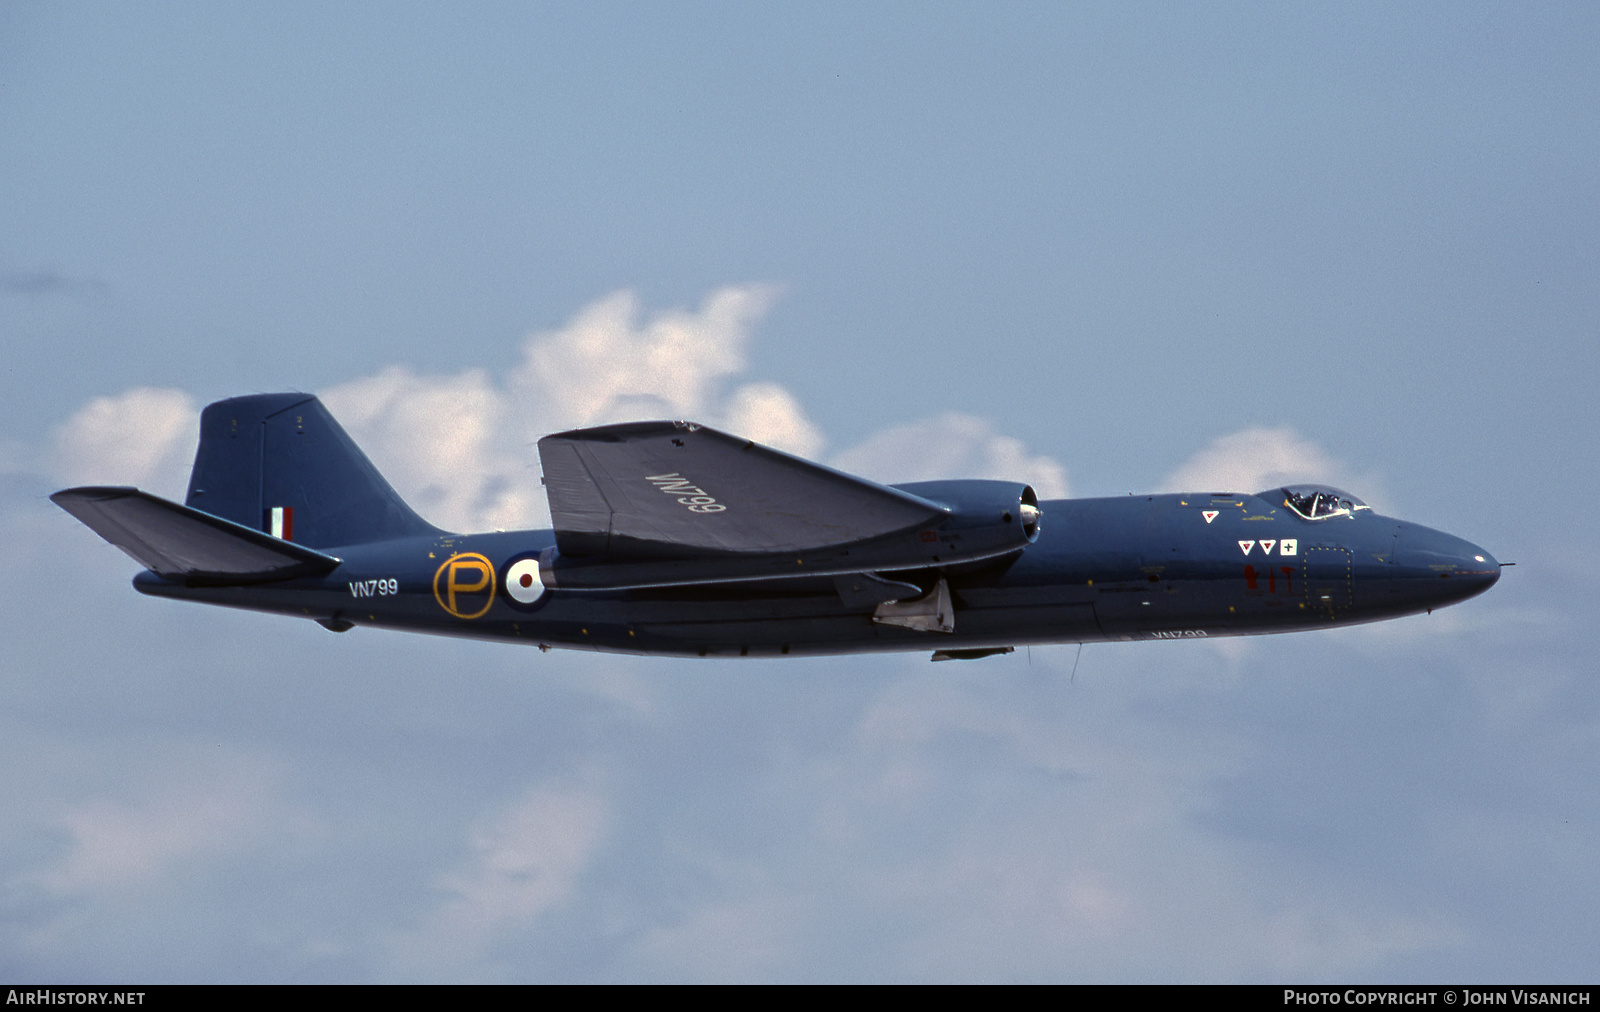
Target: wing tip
pixel 95 492
pixel 621 431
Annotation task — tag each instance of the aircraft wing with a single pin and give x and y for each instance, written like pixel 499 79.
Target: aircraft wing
pixel 679 490
pixel 185 544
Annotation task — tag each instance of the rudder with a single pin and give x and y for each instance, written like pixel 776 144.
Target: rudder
pixel 281 464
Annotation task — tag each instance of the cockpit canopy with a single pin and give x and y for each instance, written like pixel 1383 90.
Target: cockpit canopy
pixel 1316 502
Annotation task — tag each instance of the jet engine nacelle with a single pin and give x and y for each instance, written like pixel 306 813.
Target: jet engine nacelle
pixel 984 510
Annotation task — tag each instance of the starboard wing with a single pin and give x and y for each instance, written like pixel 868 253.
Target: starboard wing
pixel 679 490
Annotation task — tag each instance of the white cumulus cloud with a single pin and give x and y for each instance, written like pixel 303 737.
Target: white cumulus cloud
pixel 1257 458
pixel 952 445
pixel 461 447
pixel 608 365
pixel 447 445
pixel 144 436
pixel 769 414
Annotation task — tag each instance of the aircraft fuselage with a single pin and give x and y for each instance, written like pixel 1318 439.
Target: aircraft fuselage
pixel 1128 568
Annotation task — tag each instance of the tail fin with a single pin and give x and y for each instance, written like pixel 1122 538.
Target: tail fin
pixel 280 464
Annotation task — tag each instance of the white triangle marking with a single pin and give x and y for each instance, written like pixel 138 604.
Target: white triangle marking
pixel 1245 546
pixel 1266 546
pixel 1210 515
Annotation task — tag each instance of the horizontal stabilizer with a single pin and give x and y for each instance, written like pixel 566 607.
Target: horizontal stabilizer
pixel 679 490
pixel 181 543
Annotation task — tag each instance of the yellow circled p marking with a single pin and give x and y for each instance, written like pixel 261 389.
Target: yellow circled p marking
pixel 455 572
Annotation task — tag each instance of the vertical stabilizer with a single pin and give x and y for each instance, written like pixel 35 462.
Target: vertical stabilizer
pixel 280 464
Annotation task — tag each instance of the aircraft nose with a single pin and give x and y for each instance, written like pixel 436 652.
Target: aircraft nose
pixel 1436 568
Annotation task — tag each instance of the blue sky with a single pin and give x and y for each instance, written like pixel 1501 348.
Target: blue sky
pixel 1101 248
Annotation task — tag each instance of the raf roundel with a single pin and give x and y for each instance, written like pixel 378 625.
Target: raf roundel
pixel 523 584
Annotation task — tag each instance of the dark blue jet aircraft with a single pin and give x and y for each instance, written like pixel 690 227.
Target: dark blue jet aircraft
pixel 672 538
